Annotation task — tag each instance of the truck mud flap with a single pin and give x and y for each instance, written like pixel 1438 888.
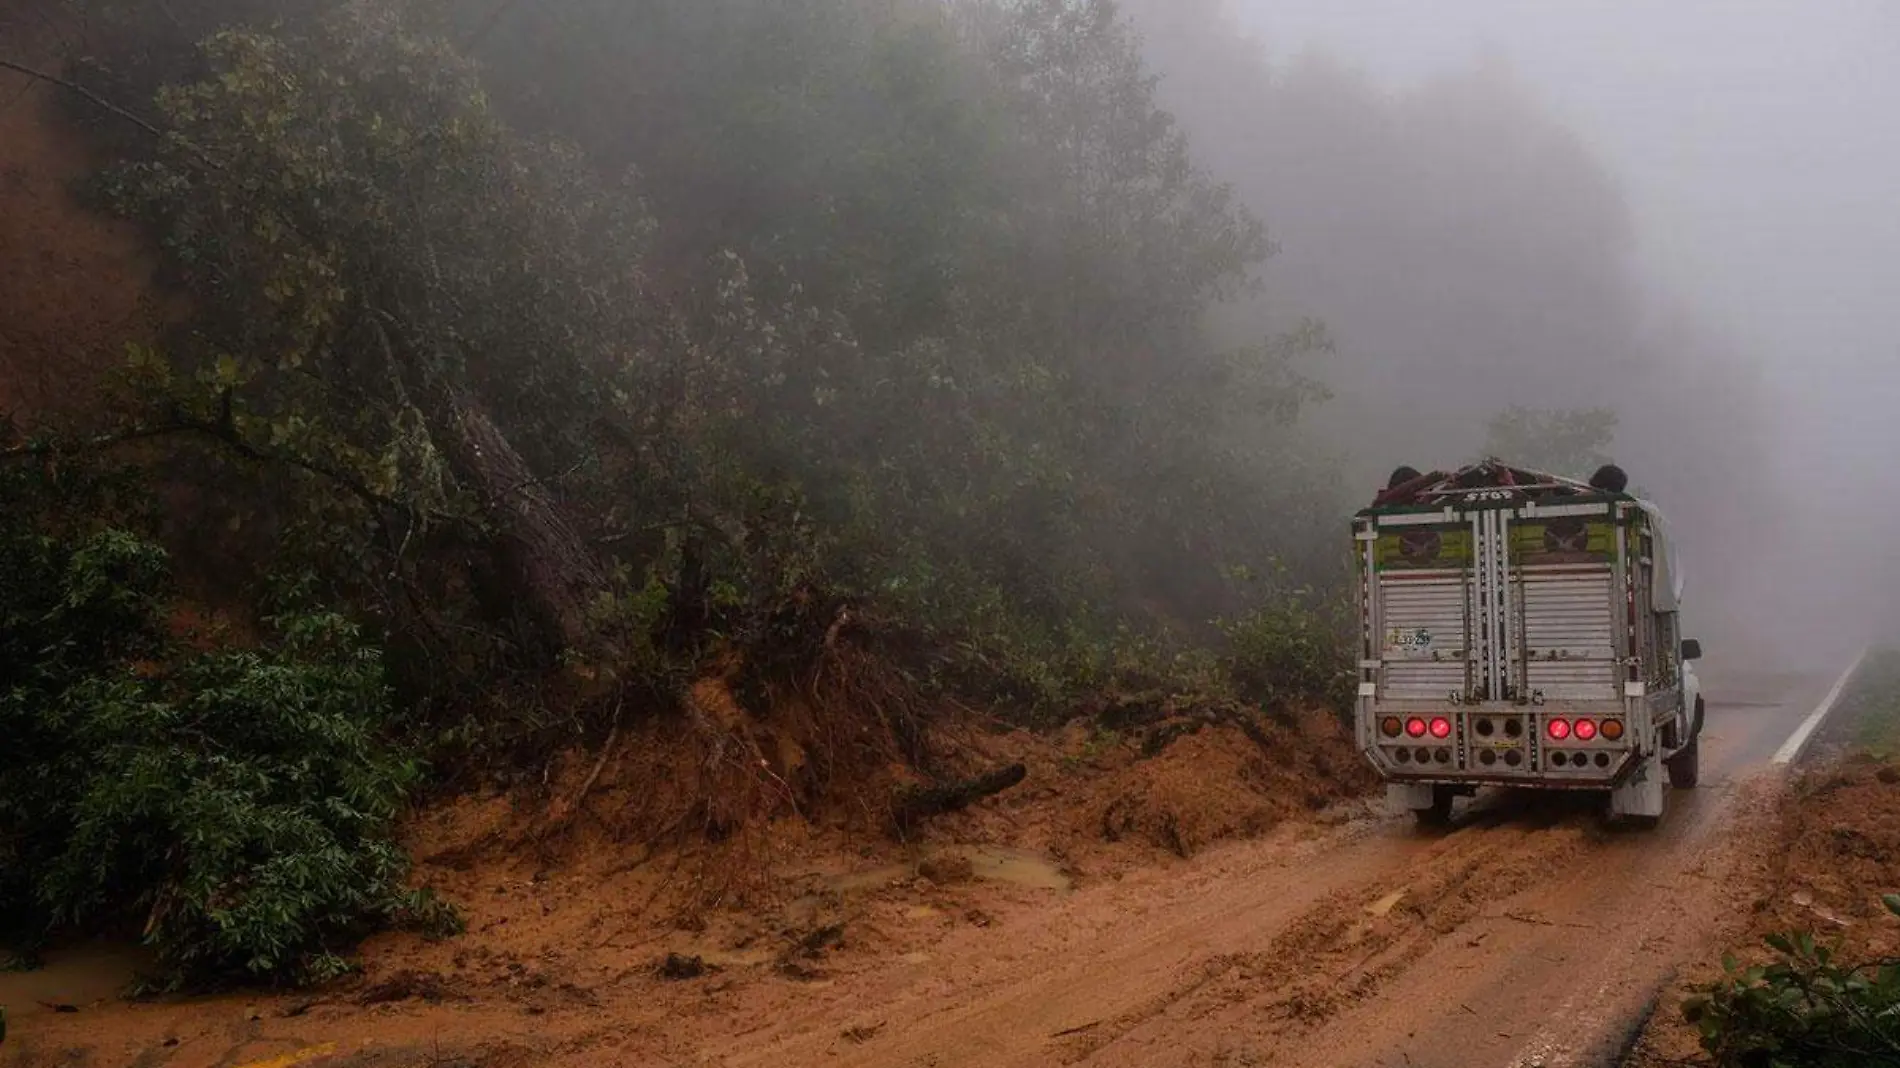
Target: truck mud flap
pixel 1641 795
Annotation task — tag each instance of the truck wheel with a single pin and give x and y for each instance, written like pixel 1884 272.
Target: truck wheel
pixel 1439 815
pixel 1685 766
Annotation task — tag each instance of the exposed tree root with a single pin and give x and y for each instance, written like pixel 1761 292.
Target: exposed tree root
pixel 916 804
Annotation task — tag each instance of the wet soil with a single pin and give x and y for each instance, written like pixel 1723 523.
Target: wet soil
pixel 1529 933
pixel 1833 848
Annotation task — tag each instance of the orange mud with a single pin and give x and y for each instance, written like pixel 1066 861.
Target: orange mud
pixel 1833 848
pixel 587 946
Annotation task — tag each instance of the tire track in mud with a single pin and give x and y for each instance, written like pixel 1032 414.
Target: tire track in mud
pixel 1337 952
pixel 1557 975
pixel 1684 917
pixel 1110 957
pixel 1536 937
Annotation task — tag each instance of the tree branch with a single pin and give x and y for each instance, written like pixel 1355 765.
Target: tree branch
pixel 226 433
pixel 89 95
pixel 101 102
pixel 30 449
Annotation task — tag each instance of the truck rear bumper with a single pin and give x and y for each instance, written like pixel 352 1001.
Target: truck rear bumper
pixel 1559 747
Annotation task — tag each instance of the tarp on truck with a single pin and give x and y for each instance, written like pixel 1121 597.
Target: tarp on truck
pixel 1667 596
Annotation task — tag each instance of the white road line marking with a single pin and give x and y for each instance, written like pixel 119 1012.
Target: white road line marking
pixel 1791 749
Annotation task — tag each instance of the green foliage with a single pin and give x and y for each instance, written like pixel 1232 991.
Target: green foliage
pixel 934 338
pixel 1872 704
pixel 1803 1009
pixel 1295 649
pixel 1017 247
pixel 1563 442
pixel 367 235
pixel 235 808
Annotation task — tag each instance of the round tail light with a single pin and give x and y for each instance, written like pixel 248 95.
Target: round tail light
pixel 1585 730
pixel 1441 727
pixel 1391 727
pixel 1559 729
pixel 1415 728
pixel 1612 729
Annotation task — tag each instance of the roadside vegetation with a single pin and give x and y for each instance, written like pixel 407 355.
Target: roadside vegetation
pixel 233 806
pixel 1873 706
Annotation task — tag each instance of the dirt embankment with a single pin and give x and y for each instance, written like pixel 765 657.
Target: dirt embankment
pixel 586 937
pixel 1833 850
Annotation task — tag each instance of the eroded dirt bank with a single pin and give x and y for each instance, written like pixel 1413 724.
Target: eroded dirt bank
pixel 1528 934
pixel 1834 850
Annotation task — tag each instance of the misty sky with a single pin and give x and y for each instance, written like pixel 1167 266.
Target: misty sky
pixel 1758 143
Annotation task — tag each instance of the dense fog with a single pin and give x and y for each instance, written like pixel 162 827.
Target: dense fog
pixel 1044 321
pixel 1682 213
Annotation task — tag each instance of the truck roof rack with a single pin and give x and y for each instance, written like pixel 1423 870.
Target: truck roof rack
pixel 1437 487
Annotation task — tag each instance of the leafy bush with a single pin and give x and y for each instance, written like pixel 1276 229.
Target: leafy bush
pixel 1873 704
pixel 1803 1009
pixel 1293 649
pixel 234 807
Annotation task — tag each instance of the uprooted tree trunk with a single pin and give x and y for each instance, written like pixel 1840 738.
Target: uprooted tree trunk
pixel 551 569
pixel 545 558
pixel 918 804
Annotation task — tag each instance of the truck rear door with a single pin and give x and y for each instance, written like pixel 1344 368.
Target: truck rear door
pixel 1496 603
pixel 1421 609
pixel 1567 595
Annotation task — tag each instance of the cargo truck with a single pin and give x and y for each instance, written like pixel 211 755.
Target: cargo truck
pixel 1522 629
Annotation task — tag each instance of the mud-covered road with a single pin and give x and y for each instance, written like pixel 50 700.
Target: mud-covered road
pixel 1528 934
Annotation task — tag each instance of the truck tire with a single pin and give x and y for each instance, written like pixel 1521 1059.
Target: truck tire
pixel 1439 815
pixel 1685 766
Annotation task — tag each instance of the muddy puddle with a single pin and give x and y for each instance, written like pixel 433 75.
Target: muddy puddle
pixel 70 979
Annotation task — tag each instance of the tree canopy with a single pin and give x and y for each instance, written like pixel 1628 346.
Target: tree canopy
pixel 600 360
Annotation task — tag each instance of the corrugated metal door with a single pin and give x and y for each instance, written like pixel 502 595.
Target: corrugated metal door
pixel 1423 625
pixel 1569 623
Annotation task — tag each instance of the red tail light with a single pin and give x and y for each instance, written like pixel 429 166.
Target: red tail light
pixel 1559 729
pixel 1415 728
pixel 1586 730
pixel 1441 728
